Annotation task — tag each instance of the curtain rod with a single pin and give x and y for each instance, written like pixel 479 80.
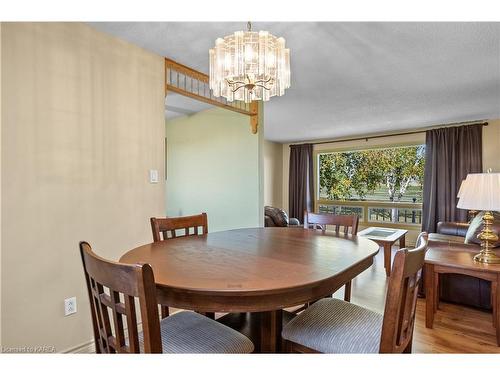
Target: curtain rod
pixel 484 123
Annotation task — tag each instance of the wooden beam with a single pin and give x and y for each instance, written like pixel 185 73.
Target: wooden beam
pixel 254 116
pixel 207 100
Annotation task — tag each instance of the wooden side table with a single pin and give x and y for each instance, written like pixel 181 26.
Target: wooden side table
pixel 440 260
pixel 385 237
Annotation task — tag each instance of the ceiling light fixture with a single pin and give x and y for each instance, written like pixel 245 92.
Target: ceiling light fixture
pixel 249 65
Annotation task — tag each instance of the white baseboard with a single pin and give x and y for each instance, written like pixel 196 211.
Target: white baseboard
pixel 85 348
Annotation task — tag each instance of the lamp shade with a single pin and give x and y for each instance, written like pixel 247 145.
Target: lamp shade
pixel 462 185
pixel 480 191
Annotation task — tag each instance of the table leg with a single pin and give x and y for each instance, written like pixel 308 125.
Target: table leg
pixel 402 242
pixel 436 291
pixel 430 299
pixel 270 331
pixel 387 258
pixel 497 308
pixel 164 311
pixel 347 291
pixel 494 287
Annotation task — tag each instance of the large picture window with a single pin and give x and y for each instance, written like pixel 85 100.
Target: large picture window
pixel 380 185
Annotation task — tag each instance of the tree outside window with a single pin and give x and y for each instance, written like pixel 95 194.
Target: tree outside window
pixel 388 174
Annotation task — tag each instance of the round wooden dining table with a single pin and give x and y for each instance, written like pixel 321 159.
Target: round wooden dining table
pixel 255 271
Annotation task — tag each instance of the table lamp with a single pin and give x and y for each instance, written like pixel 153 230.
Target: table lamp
pixel 481 191
pixel 462 186
pixel 470 213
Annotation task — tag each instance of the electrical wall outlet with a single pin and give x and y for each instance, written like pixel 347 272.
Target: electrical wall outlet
pixel 69 306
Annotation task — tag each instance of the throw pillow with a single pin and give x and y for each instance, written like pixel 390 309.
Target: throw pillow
pixel 476 226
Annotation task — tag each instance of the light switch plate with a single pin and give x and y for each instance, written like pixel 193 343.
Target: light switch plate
pixel 69 306
pixel 153 176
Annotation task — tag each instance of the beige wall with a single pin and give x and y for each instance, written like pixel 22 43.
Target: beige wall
pixel 0 184
pixel 491 159
pixel 213 166
pixel 81 126
pixel 273 174
pixel 491 146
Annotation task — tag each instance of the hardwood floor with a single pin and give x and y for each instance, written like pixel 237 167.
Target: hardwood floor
pixel 457 329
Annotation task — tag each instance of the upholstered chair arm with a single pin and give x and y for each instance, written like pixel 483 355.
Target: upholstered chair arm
pixel 268 222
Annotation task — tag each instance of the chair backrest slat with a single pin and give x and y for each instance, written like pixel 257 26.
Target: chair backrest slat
pixel 401 300
pixel 118 322
pixel 124 282
pixel 133 338
pixel 320 221
pixel 103 317
pixel 165 228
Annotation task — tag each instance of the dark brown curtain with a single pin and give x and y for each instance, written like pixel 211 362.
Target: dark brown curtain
pixel 301 188
pixel 450 154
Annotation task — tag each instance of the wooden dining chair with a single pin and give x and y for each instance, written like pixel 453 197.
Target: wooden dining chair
pixel 320 221
pixel 335 326
pixel 113 290
pixel 169 227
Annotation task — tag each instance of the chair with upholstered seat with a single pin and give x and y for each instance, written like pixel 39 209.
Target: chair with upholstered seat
pixel 334 326
pixel 113 289
pixel 169 227
pixel 320 221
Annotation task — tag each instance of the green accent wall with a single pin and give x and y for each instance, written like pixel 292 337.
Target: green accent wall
pixel 214 166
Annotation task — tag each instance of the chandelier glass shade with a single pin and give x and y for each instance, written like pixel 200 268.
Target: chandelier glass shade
pixel 249 65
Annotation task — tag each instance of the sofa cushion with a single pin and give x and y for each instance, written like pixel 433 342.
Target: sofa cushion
pixel 476 226
pixel 465 290
pixel 446 238
pixel 452 228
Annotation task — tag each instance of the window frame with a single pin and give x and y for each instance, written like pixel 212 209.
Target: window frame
pixel 364 221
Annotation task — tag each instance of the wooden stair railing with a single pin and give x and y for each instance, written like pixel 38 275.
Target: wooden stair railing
pixel 194 84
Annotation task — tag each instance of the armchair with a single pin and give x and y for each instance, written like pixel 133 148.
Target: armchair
pixel 277 217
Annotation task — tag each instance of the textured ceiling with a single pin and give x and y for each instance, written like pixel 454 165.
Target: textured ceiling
pixel 355 78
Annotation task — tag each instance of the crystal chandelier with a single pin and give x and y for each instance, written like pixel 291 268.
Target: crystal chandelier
pixel 249 65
